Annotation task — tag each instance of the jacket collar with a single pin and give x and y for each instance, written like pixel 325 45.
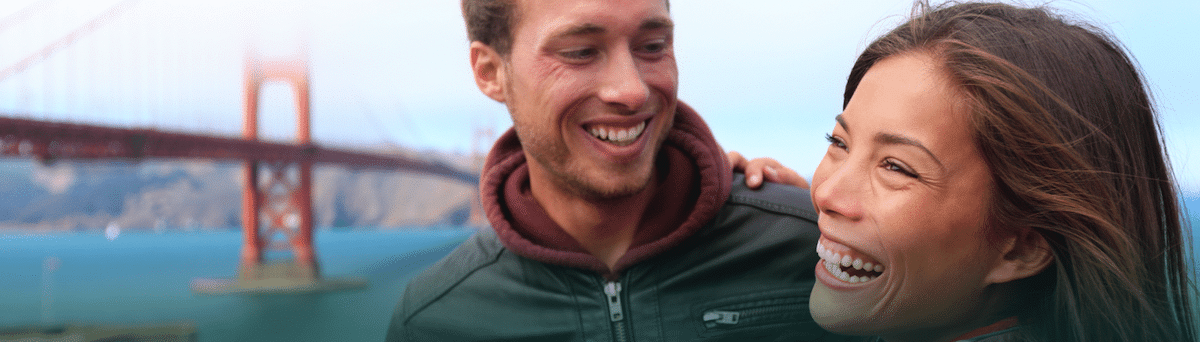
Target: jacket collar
pixel 695 181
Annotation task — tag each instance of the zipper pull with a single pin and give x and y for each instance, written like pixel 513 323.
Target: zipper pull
pixel 713 318
pixel 613 290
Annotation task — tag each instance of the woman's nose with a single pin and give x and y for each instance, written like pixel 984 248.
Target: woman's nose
pixel 838 188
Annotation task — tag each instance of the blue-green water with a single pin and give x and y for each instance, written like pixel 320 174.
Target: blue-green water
pixel 143 279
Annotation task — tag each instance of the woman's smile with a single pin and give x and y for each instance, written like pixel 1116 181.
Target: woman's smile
pixel 847 264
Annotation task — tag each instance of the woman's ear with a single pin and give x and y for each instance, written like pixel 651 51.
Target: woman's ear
pixel 488 67
pixel 1025 255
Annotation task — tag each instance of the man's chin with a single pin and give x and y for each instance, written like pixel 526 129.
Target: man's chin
pixel 607 187
pixel 610 192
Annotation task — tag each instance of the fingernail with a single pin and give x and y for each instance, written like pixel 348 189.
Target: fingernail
pixel 753 180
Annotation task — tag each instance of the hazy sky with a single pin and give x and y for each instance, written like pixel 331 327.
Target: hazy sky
pixel 767 75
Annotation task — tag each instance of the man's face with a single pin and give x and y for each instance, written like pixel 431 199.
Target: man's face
pixel 591 88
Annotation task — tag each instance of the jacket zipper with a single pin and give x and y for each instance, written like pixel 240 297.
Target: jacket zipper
pixel 752 314
pixel 616 313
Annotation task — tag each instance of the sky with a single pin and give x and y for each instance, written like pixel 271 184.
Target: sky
pixel 766 75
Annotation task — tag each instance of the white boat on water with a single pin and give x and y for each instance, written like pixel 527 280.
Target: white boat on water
pixel 112 231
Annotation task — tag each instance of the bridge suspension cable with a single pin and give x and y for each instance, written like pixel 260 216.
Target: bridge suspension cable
pixel 66 40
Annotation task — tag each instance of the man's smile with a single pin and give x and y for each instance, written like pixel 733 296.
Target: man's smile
pixel 620 136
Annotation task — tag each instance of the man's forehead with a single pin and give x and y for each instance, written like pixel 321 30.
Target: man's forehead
pixel 590 21
pixel 521 3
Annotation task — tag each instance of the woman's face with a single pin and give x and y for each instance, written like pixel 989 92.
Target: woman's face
pixel 902 194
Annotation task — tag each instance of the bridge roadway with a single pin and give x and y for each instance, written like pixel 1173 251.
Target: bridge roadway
pixel 50 141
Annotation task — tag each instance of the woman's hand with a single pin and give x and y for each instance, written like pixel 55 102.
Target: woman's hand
pixel 771 168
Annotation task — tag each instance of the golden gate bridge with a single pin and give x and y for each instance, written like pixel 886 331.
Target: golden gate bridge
pixel 277 186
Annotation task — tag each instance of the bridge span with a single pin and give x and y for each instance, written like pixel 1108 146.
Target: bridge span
pixel 73 70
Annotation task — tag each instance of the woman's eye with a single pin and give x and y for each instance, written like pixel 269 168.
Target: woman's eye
pixel 835 141
pixel 894 166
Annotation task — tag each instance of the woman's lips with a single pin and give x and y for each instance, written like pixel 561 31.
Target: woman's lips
pixel 848 265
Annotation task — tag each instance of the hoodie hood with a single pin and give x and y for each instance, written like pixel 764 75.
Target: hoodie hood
pixel 694 182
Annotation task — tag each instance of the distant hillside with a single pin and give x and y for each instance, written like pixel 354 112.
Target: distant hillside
pixel 207 195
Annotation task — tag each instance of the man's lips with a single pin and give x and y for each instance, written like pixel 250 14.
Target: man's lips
pixel 620 136
pixel 619 131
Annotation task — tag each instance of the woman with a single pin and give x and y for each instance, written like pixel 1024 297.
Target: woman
pixel 997 175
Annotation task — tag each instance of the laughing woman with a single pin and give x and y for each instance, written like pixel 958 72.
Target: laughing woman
pixel 997 174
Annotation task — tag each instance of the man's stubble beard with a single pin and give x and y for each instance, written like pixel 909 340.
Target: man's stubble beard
pixel 555 159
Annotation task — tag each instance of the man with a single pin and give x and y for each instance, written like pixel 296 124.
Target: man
pixel 615 214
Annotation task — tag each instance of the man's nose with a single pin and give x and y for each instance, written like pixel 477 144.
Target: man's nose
pixel 622 84
pixel 840 194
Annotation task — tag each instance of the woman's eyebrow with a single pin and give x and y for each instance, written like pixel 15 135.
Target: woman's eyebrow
pixel 896 139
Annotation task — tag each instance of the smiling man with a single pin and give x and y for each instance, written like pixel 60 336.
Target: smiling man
pixel 615 215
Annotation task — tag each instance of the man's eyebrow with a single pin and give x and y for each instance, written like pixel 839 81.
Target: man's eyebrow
pixel 896 139
pixel 590 29
pixel 657 23
pixel 582 29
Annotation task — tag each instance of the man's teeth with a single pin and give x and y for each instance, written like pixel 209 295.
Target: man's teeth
pixel 839 265
pixel 616 135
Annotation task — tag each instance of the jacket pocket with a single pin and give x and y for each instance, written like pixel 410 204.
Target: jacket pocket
pixel 765 314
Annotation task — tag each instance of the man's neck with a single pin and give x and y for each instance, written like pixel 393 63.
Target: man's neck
pixel 605 228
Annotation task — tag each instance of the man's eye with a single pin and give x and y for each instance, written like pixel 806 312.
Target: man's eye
pixel 579 54
pixel 654 47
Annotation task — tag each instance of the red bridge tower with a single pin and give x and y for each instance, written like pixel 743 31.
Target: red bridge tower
pixel 279 204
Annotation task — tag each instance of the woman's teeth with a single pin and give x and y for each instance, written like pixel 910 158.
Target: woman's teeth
pixel 848 269
pixel 617 136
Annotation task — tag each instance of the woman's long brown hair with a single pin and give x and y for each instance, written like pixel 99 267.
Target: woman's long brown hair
pixel 1067 127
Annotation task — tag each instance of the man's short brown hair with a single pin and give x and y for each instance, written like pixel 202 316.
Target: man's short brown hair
pixel 491 22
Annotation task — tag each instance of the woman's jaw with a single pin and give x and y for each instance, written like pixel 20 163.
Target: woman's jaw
pixel 845 296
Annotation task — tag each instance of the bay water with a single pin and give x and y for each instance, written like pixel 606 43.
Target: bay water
pixel 143 279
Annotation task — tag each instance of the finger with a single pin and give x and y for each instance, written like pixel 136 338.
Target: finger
pixel 771 174
pixel 791 177
pixel 754 173
pixel 736 160
pixel 751 168
pixel 753 181
pixel 799 182
pixel 777 173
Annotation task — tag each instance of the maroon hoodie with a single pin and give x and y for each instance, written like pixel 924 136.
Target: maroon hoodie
pixel 694 183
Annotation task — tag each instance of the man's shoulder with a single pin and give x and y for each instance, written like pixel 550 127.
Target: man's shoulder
pixel 481 250
pixel 774 218
pixel 779 199
pixel 483 292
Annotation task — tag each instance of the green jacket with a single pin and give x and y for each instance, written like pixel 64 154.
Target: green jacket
pixel 745 276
